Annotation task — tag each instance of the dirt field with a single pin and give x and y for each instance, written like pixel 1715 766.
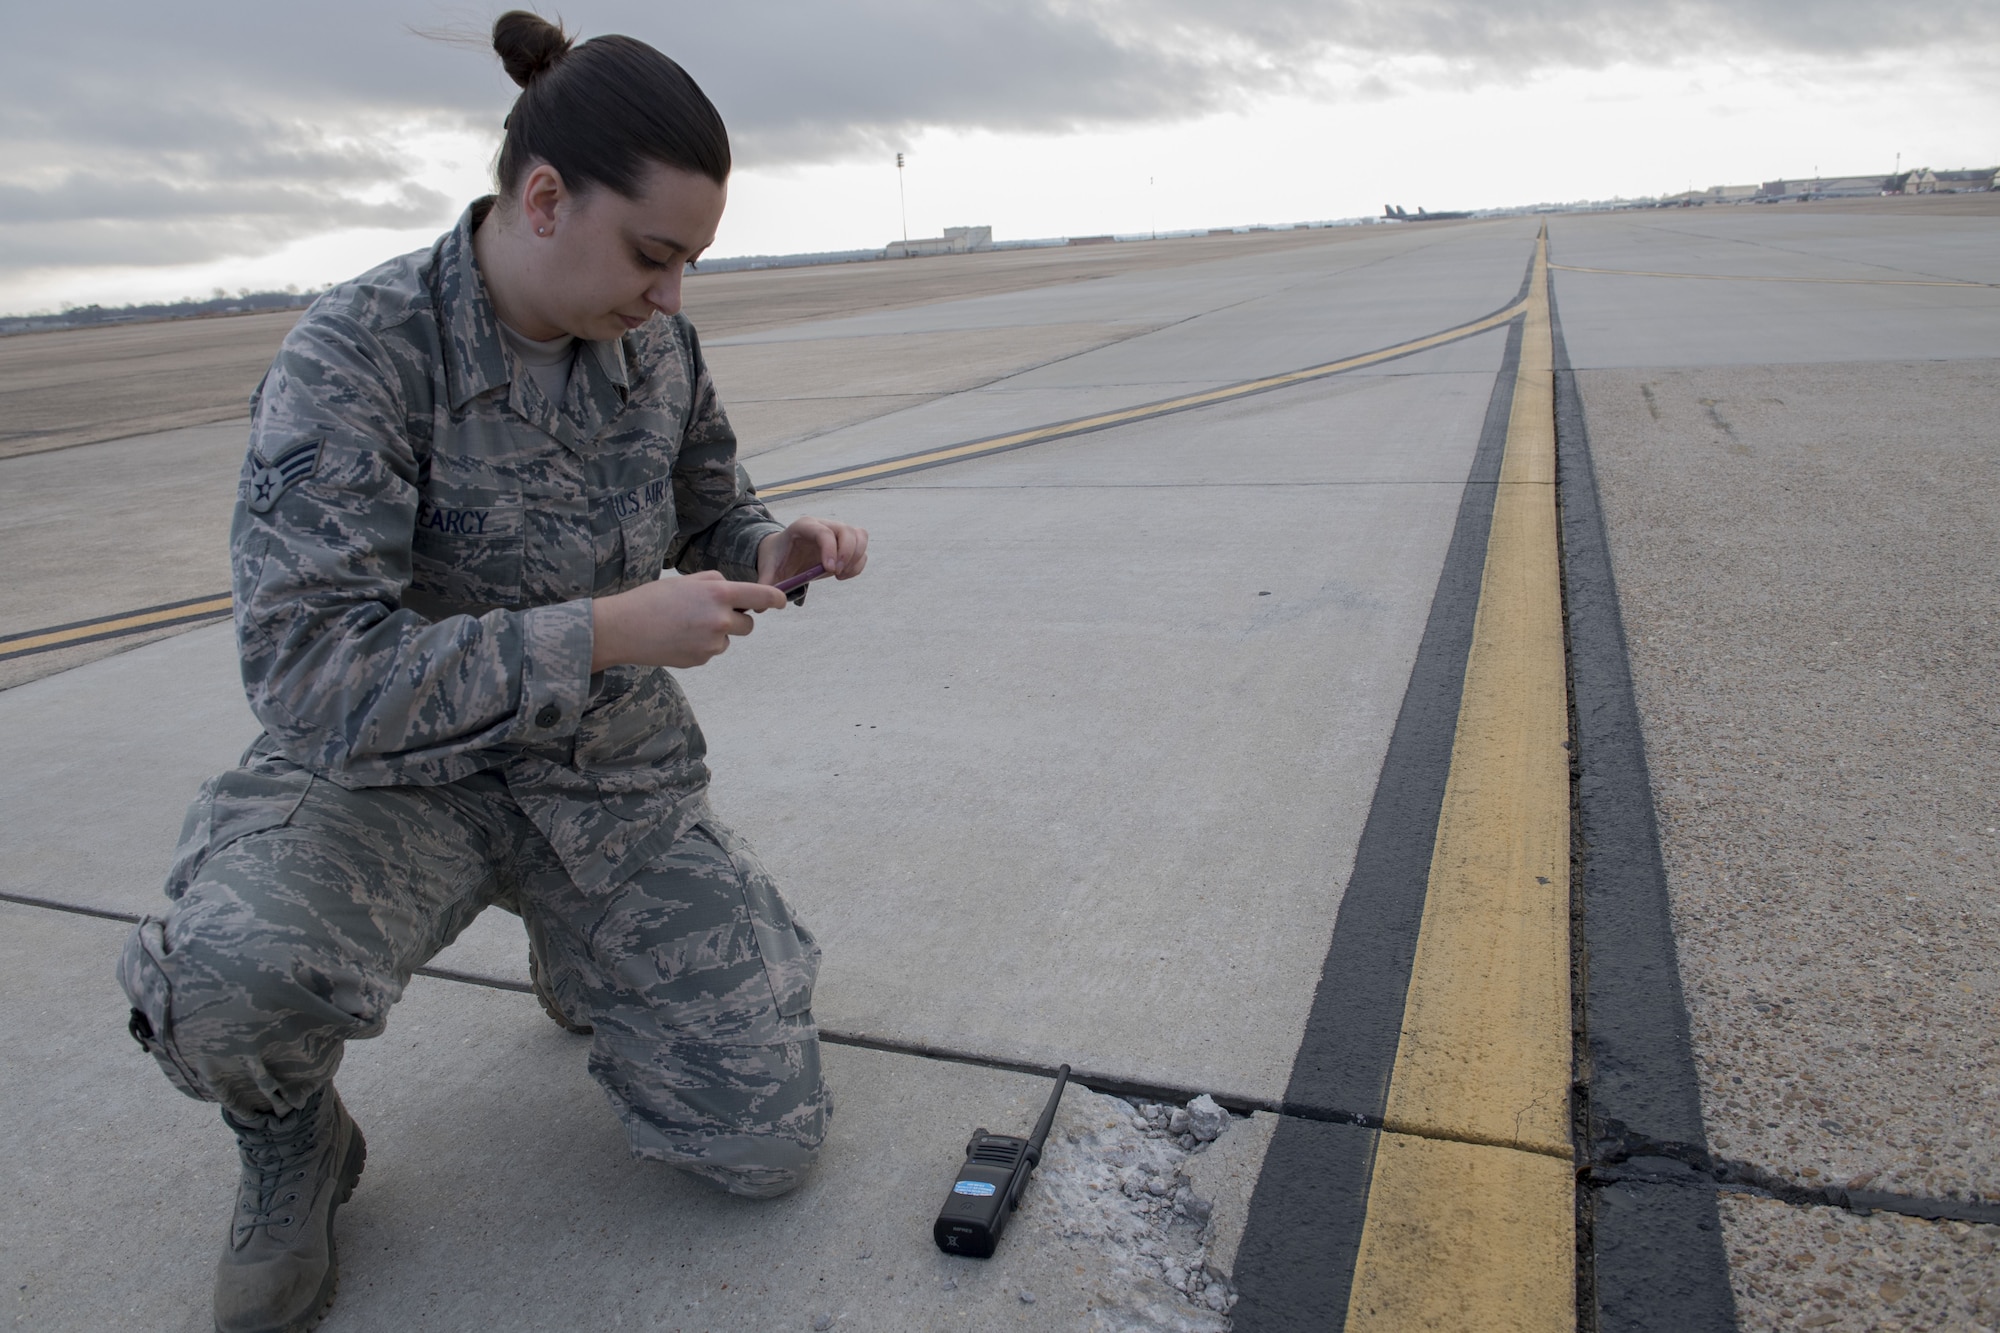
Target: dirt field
pixel 77 386
pixel 83 385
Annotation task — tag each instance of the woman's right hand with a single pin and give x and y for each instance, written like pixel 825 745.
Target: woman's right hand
pixel 674 622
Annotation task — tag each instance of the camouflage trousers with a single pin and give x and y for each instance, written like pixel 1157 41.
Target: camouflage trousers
pixel 300 910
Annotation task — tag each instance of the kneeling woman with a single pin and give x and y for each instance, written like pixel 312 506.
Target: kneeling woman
pixel 467 470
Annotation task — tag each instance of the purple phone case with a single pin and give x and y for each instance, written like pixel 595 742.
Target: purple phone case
pixel 797 581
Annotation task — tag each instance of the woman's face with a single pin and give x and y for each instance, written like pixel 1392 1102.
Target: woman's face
pixel 607 264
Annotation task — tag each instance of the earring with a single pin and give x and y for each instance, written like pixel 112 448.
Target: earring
pixel 541 231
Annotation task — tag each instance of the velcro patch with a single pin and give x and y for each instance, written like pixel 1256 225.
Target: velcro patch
pixel 271 477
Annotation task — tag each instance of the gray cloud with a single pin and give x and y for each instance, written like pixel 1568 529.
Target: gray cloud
pixel 189 133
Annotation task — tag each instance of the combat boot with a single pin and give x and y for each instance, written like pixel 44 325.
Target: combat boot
pixel 278 1271
pixel 545 994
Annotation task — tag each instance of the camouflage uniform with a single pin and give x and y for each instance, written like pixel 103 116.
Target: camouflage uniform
pixel 417 536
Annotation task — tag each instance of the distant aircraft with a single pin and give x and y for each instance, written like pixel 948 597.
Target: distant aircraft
pixel 1396 211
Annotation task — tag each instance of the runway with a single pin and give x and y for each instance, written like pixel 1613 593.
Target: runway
pixel 1236 652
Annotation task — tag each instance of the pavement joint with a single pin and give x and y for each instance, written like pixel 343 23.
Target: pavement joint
pixel 1649 1162
pixel 1620 1163
pixel 1108 1084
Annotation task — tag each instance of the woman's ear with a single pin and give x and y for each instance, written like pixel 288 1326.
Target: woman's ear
pixel 542 196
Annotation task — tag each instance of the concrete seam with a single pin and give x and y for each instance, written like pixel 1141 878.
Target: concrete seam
pixel 1709 1172
pixel 1641 1247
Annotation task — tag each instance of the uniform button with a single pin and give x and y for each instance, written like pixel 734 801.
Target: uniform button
pixel 549 716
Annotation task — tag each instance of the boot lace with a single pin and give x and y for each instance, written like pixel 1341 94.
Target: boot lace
pixel 272 1161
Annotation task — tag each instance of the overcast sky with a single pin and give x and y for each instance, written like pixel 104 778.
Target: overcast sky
pixel 156 151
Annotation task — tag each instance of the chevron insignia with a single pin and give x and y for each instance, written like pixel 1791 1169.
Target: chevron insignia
pixel 269 480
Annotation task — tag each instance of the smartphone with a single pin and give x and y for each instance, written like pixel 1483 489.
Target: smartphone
pixel 797 582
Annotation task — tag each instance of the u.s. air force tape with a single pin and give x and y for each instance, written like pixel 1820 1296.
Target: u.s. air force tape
pixel 269 479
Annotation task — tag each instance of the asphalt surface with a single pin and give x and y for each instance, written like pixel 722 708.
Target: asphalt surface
pixel 1078 772
pixel 1807 573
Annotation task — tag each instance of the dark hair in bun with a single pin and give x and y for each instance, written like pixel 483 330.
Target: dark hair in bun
pixel 599 112
pixel 528 44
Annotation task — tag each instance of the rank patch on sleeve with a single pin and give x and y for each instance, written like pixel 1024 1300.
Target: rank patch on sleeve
pixel 269 479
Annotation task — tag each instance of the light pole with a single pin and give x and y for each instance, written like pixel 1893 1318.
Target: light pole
pixel 903 205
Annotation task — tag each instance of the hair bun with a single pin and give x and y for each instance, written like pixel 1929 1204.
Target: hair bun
pixel 528 44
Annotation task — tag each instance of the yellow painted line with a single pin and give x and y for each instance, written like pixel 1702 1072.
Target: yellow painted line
pixel 1461 1236
pixel 214 606
pixel 1474 1221
pixel 1485 1051
pixel 1748 277
pixel 1126 416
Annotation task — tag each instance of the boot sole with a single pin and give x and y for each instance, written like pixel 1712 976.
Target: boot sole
pixel 546 998
pixel 350 1176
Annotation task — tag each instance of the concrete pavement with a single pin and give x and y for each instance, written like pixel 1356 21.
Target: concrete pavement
pixel 1079 772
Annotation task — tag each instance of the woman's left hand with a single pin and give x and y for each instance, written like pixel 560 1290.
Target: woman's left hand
pixel 841 547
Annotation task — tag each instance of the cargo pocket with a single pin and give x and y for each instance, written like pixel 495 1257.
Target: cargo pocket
pixel 791 954
pixel 142 971
pixel 231 806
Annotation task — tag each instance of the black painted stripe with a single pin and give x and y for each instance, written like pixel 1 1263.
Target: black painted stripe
pixel 1295 1265
pixel 1655 1259
pixel 1349 1049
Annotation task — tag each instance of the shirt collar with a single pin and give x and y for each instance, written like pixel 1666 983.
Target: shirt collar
pixel 476 355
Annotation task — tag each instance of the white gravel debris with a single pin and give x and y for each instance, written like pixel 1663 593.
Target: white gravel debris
pixel 1206 1120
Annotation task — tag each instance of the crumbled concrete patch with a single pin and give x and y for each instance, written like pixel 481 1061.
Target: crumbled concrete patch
pixel 1824 1268
pixel 1226 1176
pixel 1116 1181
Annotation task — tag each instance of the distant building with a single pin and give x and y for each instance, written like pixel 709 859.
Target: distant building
pixel 1827 187
pixel 955 241
pixel 1961 182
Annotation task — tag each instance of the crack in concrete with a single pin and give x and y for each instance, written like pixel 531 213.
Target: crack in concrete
pixel 1619 1159
pixel 1625 1157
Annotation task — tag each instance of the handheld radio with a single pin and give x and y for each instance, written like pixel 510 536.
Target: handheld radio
pixel 989 1184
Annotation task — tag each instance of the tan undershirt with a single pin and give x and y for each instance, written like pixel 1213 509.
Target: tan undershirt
pixel 547 362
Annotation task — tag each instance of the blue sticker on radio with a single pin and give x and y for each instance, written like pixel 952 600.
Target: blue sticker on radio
pixel 979 1187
